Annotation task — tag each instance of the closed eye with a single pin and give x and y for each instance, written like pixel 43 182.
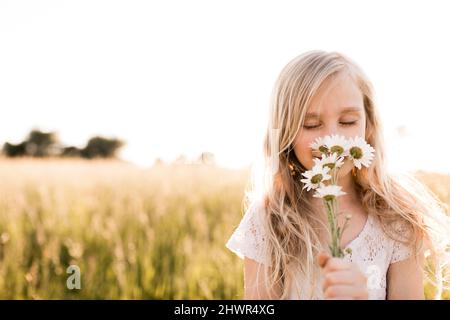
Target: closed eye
pixel 311 127
pixel 348 123
pixel 318 125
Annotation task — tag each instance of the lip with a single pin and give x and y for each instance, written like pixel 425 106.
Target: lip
pixel 316 154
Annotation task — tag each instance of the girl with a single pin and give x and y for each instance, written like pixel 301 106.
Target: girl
pixel 283 235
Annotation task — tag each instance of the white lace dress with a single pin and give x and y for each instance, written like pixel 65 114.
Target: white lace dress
pixel 371 250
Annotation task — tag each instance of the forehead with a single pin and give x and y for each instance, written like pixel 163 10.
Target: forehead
pixel 336 95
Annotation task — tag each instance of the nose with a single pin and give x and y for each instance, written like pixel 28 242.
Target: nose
pixel 332 129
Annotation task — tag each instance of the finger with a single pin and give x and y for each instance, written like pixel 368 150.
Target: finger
pixel 338 277
pixel 359 276
pixel 336 291
pixel 339 291
pixel 322 258
pixel 336 264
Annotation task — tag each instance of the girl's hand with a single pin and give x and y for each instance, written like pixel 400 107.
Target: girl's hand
pixel 342 280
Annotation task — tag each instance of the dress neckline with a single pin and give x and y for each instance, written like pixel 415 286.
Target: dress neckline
pixel 366 226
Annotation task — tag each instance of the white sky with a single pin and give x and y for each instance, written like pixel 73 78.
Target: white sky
pixel 173 77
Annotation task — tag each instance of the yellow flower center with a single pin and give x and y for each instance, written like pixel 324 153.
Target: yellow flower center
pixel 337 149
pixel 356 152
pixel 330 165
pixel 323 149
pixel 317 178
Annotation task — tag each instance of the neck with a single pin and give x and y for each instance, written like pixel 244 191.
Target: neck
pixel 349 187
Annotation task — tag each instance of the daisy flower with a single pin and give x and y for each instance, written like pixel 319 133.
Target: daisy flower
pixel 328 193
pixel 333 151
pixel 360 152
pixel 331 144
pixel 315 177
pixel 338 144
pixel 320 144
pixel 332 161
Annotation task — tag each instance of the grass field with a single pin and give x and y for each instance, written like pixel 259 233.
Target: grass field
pixel 158 233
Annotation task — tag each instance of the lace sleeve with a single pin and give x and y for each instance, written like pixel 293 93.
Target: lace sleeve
pixel 400 252
pixel 248 238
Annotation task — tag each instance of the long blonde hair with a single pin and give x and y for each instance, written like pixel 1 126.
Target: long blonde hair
pixel 290 219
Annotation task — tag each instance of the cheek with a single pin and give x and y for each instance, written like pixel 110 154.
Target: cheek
pixel 303 151
pixel 361 130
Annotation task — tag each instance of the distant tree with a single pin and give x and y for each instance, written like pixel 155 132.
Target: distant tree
pixel 45 144
pixel 37 144
pixel 99 147
pixel 14 150
pixel 71 152
pixel 42 144
pixel 206 158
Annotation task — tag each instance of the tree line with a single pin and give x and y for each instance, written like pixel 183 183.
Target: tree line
pixel 46 144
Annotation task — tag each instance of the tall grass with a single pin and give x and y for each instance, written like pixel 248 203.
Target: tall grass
pixel 157 233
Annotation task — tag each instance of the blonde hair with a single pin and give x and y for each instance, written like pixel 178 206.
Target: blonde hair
pixel 290 219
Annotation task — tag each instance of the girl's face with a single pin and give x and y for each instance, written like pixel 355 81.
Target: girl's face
pixel 337 108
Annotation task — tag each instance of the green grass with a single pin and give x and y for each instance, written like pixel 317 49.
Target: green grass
pixel 135 234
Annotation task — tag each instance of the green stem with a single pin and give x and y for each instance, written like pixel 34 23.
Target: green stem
pixel 332 221
pixel 332 214
pixel 332 207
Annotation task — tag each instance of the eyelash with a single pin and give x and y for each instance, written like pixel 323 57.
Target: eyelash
pixel 343 123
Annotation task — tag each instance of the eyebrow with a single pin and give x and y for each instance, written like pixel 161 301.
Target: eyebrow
pixel 345 110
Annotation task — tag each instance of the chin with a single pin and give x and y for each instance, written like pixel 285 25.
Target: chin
pixel 344 173
pixel 310 165
pixel 346 169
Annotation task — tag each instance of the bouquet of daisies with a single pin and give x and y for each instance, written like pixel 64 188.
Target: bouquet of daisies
pixel 323 177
